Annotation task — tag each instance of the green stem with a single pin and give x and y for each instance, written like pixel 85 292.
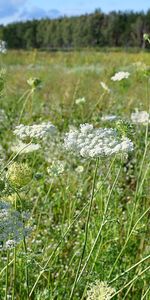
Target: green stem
pixel 9 264
pixel 124 246
pixel 14 266
pixel 131 281
pixel 101 227
pixel 22 96
pixel 24 105
pixel 138 186
pixel 130 269
pixel 14 275
pixel 56 248
pixel 7 268
pixel 86 230
pixel 64 235
pixel 146 293
pixel 26 268
pixel 12 158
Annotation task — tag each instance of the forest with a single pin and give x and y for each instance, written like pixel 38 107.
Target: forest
pixel 98 29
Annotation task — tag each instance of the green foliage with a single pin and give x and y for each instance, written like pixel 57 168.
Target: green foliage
pixel 54 186
pixel 116 29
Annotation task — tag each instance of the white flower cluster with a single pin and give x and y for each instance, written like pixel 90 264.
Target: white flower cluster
pixel 40 131
pixel 89 142
pixel 80 100
pixel 56 169
pixel 105 87
pixel 120 76
pixel 140 117
pixel 79 169
pixel 23 148
pixel 3 47
pixel 100 291
pixel 12 229
pixel 109 118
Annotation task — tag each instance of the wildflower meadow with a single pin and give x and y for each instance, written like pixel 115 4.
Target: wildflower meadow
pixel 74 175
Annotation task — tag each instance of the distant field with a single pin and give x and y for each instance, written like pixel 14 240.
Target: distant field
pixel 77 74
pixel 89 217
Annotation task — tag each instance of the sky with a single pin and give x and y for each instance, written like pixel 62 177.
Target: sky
pixel 16 10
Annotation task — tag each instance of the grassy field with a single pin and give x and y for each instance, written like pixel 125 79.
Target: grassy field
pixel 82 221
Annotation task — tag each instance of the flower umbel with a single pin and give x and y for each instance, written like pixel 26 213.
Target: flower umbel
pixel 3 48
pixel 19 175
pixel 100 291
pixel 140 117
pixel 120 76
pixel 56 169
pixel 146 37
pixel 21 147
pixel 90 143
pixel 37 131
pixel 80 100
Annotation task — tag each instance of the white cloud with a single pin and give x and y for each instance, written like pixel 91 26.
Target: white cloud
pixel 17 10
pixel 10 7
pixel 38 13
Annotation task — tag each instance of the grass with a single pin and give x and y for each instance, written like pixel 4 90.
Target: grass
pixel 74 240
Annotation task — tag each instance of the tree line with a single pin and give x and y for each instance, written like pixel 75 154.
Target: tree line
pixel 98 29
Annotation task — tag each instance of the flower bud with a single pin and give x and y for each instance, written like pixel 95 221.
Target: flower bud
pixel 146 37
pixel 34 82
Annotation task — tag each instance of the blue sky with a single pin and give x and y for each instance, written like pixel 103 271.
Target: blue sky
pixel 15 10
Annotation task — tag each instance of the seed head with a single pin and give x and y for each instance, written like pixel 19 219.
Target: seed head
pixel 19 174
pixel 100 291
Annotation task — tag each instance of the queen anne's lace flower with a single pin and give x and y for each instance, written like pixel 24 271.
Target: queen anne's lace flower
pixel 79 169
pixel 146 37
pixel 100 291
pixel 140 117
pixel 120 76
pixel 21 147
pixel 80 100
pixel 40 131
pixel 10 244
pixel 57 168
pixel 89 142
pixel 3 47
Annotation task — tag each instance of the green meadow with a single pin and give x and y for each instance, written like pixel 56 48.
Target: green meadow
pixel 87 219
